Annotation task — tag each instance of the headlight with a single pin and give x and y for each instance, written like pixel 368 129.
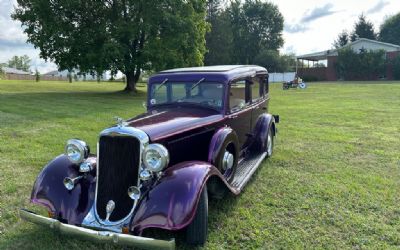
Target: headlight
pixel 76 150
pixel 155 157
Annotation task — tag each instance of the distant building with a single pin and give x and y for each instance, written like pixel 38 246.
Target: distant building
pixel 63 76
pixel 328 72
pixel 16 74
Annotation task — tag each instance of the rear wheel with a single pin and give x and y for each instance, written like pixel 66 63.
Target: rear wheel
pixel 196 232
pixel 270 142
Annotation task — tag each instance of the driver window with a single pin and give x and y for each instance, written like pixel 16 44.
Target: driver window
pixel 237 96
pixel 178 92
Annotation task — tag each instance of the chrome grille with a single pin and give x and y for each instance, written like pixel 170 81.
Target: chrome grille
pixel 118 169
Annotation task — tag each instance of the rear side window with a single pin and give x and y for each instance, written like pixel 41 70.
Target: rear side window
pixel 266 84
pixel 256 91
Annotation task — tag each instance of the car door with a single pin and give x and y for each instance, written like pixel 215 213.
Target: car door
pixel 239 117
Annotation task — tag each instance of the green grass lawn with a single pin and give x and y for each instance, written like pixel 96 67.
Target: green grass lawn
pixel 333 182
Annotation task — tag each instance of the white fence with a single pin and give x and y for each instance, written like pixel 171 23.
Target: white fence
pixel 281 77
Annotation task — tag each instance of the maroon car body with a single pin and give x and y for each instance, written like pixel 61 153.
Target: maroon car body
pixel 215 125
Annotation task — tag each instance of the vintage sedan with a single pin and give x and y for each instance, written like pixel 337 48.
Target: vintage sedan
pixel 205 132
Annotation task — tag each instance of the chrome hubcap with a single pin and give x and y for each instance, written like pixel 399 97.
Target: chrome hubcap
pixel 269 144
pixel 228 160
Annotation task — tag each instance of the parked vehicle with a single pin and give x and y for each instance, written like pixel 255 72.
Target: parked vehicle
pixel 205 132
pixel 296 83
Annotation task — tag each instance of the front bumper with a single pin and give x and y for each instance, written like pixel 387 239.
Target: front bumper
pixel 98 236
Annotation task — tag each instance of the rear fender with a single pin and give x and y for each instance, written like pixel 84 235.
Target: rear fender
pixel 49 191
pixel 217 142
pixel 264 122
pixel 172 202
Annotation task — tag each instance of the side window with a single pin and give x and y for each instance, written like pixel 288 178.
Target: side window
pixel 256 92
pixel 237 95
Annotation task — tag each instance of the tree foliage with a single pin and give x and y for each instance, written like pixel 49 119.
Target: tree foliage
pixel 20 62
pixel 342 40
pixel 244 32
pixel 256 26
pixel 125 35
pixel 363 29
pixel 390 30
pixel 219 38
pixel 366 65
pixel 275 62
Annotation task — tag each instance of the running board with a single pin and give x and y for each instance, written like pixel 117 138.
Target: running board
pixel 246 169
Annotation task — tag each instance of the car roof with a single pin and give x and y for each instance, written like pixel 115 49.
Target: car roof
pixel 220 73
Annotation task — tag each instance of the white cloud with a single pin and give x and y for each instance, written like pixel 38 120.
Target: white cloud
pixel 13 40
pixel 378 7
pixel 319 34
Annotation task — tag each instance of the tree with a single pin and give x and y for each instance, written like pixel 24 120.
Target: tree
pixel 37 75
pixel 256 26
pixel 117 35
pixel 274 62
pixel 219 39
pixel 20 62
pixel 342 40
pixel 363 29
pixel 390 30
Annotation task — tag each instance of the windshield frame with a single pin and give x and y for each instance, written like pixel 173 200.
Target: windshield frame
pixel 184 103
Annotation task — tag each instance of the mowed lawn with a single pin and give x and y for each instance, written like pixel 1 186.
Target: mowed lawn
pixel 333 182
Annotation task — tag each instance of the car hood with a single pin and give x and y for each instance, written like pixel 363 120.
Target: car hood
pixel 162 123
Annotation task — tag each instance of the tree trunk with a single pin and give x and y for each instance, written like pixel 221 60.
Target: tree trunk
pixel 132 78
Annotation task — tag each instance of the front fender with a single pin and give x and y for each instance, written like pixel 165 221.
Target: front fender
pixel 171 204
pixel 49 191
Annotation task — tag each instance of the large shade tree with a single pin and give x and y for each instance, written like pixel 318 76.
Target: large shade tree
pixel 118 35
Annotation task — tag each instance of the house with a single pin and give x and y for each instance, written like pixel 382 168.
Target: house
pixel 326 71
pixel 16 74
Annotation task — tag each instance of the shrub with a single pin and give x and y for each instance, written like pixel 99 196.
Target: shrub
pixel 396 68
pixel 365 65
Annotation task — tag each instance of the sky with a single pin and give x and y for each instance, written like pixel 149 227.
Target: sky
pixel 310 26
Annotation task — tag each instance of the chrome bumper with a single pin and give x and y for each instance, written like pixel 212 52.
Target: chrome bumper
pixel 99 236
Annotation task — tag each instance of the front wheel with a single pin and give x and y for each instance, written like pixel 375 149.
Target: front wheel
pixel 196 232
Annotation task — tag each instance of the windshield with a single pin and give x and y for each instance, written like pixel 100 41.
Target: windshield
pixel 209 94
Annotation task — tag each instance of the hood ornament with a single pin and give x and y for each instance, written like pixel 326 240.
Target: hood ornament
pixel 109 209
pixel 120 122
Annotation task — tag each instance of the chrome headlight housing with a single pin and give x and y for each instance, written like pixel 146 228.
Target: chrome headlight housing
pixel 155 157
pixel 76 150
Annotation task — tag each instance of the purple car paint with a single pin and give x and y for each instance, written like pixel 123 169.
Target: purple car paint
pixel 202 141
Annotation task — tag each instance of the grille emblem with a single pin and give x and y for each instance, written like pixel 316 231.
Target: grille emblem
pixel 109 208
